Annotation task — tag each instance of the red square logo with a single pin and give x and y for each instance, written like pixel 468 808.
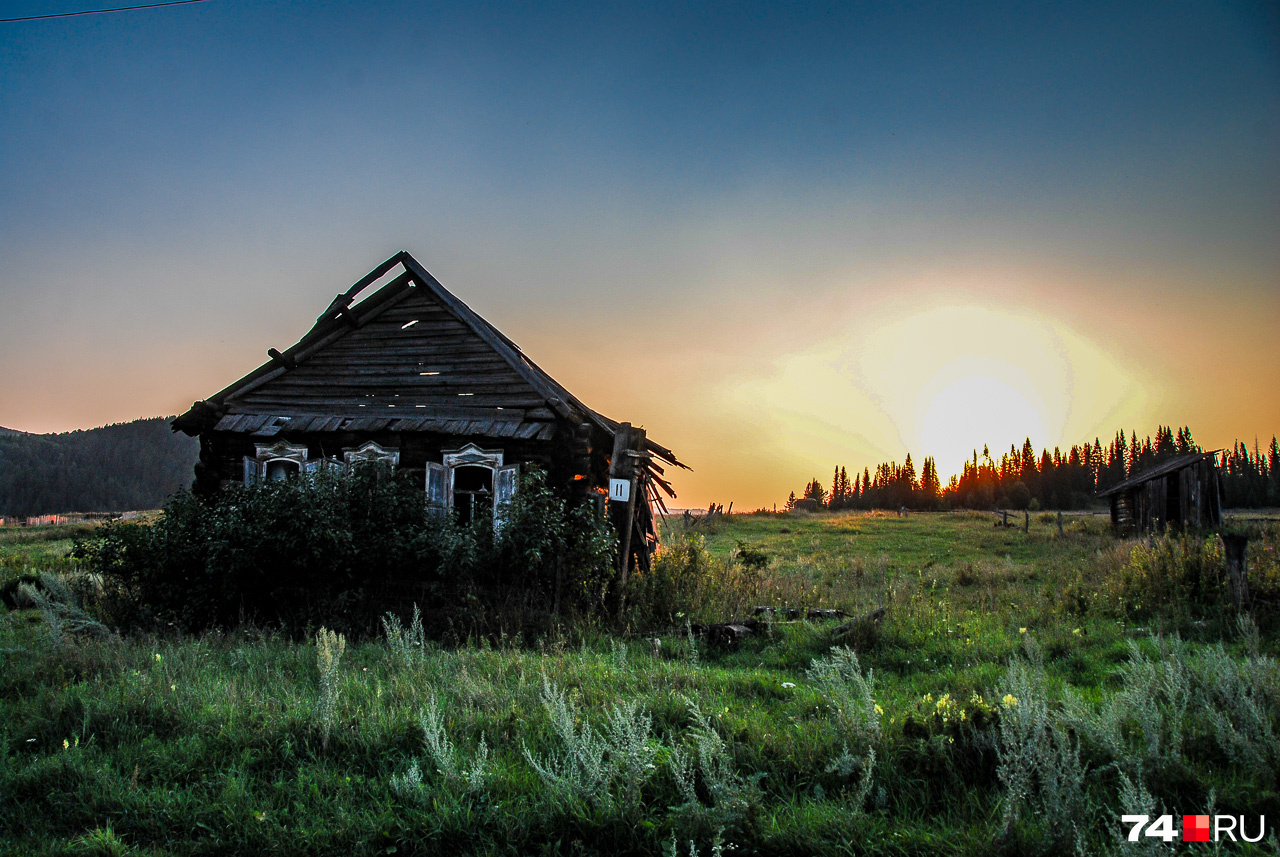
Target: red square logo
pixel 1195 828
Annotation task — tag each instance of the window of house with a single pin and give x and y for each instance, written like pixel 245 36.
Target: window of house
pixel 472 483
pixel 280 469
pixel 275 462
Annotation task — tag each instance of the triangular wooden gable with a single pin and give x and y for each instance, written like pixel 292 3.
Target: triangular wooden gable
pixel 412 354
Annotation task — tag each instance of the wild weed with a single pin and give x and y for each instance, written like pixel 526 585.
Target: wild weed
pixel 1239 701
pixel 456 773
pixel 733 796
pixel 408 786
pixel 858 716
pixel 841 678
pixel 671 849
pixel 1136 800
pixel 595 768
pixel 61 608
pixel 1151 707
pixel 847 764
pixel 408 645
pixel 1039 760
pixel 692 642
pixel 329 649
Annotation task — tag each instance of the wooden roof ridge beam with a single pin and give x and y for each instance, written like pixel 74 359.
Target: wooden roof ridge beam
pixel 315 339
pixel 344 300
pixel 348 317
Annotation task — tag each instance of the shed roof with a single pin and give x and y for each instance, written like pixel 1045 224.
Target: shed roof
pixel 1163 469
pixel 409 357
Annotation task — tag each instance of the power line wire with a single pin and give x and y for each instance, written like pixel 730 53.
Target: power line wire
pixel 100 11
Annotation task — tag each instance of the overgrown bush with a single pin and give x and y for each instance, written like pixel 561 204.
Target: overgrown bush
pixel 560 552
pixel 339 549
pixel 1180 576
pixel 686 581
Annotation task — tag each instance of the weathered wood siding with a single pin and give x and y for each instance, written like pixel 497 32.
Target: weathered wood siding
pixel 434 363
pixel 1150 507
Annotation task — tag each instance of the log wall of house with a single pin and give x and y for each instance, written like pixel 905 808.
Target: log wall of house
pixel 567 460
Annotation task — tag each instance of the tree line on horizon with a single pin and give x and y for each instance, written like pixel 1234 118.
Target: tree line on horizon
pixel 115 468
pixel 1020 479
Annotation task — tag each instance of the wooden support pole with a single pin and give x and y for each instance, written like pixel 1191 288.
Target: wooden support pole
pixel 627 441
pixel 1234 548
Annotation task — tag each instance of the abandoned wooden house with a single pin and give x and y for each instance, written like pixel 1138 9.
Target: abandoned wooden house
pixel 1182 492
pixel 412 377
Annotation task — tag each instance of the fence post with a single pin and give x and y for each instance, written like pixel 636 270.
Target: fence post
pixel 1237 570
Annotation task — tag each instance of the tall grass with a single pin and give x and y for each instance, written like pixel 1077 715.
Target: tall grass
pixel 942 730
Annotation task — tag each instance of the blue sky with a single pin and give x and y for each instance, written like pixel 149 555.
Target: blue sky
pixel 181 188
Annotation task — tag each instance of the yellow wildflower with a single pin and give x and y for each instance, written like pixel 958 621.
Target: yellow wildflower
pixel 1010 701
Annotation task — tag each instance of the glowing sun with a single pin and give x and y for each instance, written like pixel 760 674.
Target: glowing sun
pixel 973 407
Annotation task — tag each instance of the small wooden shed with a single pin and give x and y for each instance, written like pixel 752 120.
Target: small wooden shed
pixel 1183 491
pixel 413 377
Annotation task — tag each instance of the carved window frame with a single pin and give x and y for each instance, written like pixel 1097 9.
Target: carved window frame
pixel 371 451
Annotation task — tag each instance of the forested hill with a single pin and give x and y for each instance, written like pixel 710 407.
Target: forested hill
pixel 110 469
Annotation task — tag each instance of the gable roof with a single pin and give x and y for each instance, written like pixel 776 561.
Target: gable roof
pixel 409 357
pixel 1173 464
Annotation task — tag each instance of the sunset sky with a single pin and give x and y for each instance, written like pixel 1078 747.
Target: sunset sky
pixel 781 237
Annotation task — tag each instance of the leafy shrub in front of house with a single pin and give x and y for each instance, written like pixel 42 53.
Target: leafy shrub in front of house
pixel 561 553
pixel 337 549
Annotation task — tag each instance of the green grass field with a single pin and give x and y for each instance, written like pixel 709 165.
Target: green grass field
pixel 1023 690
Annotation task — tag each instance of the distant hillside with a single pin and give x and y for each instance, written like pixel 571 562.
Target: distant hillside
pixel 110 469
pixel 4 430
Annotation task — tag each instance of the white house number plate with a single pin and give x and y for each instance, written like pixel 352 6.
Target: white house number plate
pixel 620 490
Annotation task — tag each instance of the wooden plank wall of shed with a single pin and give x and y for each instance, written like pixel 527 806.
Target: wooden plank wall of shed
pixel 1144 508
pixel 1189 496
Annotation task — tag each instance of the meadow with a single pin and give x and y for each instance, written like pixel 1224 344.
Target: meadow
pixel 1022 691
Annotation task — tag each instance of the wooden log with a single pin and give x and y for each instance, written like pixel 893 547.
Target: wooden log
pixel 861 632
pixel 727 635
